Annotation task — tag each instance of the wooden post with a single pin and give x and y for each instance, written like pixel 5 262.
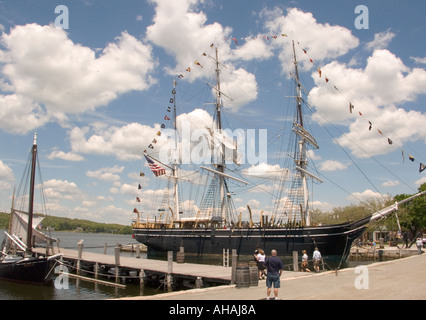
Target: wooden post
pixel 141 278
pixel 96 271
pixel 141 281
pixel 117 256
pixel 198 283
pixel 80 255
pixel 80 249
pixel 169 270
pixel 138 251
pixel 234 265
pixel 295 261
pixel 117 262
pixel 105 248
pixel 169 261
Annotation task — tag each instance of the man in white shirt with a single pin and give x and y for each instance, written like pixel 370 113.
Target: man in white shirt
pixel 317 259
pixel 419 245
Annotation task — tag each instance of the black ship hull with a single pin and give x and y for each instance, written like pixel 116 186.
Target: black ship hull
pixel 333 241
pixel 32 270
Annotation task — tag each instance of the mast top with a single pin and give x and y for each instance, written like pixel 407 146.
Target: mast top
pixel 35 139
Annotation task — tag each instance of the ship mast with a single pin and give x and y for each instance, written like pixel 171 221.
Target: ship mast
pixel 175 160
pixel 218 158
pixel 300 158
pixel 221 162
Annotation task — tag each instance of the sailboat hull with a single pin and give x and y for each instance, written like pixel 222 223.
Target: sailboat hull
pixel 334 241
pixel 33 270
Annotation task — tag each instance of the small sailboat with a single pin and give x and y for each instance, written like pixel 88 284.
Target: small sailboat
pixel 18 261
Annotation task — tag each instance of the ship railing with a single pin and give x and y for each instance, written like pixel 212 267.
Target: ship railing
pixel 190 221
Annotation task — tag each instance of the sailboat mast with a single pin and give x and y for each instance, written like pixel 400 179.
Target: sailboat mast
pixel 31 194
pixel 12 211
pixel 221 162
pixel 300 158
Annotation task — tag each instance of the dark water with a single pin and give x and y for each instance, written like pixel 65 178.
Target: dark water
pixel 77 289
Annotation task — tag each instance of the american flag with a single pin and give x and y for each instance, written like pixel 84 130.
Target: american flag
pixel 155 168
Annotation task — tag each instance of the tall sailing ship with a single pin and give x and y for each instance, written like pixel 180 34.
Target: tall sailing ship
pixel 216 226
pixel 18 261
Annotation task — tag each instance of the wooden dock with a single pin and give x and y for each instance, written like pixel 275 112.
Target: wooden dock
pixel 119 269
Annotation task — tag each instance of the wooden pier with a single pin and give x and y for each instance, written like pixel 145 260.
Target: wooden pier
pixel 124 269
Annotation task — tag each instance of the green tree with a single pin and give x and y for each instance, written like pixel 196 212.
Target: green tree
pixel 351 212
pixel 412 215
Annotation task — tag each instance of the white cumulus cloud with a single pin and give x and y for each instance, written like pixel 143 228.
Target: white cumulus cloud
pixel 375 91
pixel 47 76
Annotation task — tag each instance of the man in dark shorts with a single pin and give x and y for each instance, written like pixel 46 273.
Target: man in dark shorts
pixel 274 267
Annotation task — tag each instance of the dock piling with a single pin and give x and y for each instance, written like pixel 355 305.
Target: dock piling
pixel 117 262
pixel 295 261
pixel 79 255
pixel 198 283
pixel 169 270
pixel 234 265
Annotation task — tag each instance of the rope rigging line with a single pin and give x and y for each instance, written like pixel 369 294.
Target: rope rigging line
pixel 319 117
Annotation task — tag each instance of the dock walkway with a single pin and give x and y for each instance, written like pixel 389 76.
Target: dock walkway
pixel 402 279
pixel 209 273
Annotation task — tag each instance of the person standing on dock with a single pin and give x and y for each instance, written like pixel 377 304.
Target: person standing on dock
pixel 304 264
pixel 274 267
pixel 260 258
pixel 419 244
pixel 316 259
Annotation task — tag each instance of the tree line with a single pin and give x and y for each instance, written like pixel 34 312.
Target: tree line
pixel 411 216
pixel 68 224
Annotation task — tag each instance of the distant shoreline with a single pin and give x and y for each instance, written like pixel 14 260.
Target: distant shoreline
pixel 71 225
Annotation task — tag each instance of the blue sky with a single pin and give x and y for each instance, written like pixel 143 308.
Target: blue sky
pixel 97 92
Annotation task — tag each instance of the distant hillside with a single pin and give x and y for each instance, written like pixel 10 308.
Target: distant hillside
pixel 4 220
pixel 67 224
